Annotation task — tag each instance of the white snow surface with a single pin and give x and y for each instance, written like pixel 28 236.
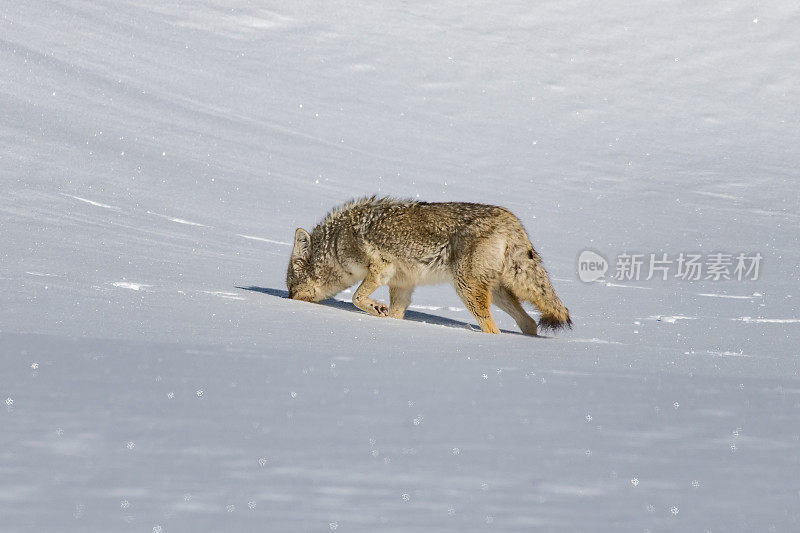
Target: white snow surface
pixel 157 157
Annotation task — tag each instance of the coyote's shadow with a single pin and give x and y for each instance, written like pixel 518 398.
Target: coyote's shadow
pixel 414 316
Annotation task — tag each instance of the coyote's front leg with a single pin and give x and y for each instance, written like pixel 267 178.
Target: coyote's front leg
pixel 379 272
pixel 399 300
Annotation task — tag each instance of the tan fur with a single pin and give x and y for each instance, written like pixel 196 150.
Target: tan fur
pixel 483 250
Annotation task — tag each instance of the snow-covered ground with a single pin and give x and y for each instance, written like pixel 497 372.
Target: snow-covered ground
pixel 156 158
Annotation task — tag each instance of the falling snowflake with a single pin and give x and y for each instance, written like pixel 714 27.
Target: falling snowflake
pixel 406 497
pixel 293 394
pixel 9 401
pixel 333 526
pixel 588 453
pixel 230 508
pixel 375 453
pixel 695 483
pixel 187 497
pixel 417 420
pixel 733 447
pixel 484 486
pixel 34 365
pixel 674 510
pixel 170 395
pixel 157 529
pixel 262 461
pixel 484 376
pixel 124 504
pixel 251 504
pixel 651 508
pixel 676 405
pixel 78 512
pixel 489 519
pixel 130 445
pixel 59 432
pixel 588 418
pixel 451 511
pixel 456 451
pixel 199 393
pixel 635 482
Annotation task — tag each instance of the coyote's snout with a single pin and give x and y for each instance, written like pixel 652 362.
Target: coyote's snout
pixel 483 250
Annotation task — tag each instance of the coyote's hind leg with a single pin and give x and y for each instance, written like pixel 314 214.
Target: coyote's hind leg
pixel 505 300
pixel 477 297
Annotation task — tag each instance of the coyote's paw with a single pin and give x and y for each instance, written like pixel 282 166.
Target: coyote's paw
pixel 378 309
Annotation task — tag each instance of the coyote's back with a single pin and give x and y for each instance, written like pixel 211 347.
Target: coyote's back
pixel 483 250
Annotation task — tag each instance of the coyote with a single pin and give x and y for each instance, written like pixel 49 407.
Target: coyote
pixel 483 250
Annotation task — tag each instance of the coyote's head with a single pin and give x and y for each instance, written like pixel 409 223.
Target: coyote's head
pixel 300 278
pixel 313 274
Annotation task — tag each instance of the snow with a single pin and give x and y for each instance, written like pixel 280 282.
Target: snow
pixel 159 156
pixel 129 285
pixel 769 320
pixel 90 202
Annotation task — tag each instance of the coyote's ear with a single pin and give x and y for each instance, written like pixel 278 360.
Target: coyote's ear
pixel 302 244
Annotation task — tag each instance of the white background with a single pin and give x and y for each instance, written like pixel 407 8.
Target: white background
pixel 157 157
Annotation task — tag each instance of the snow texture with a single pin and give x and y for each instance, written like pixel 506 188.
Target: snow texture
pixel 157 157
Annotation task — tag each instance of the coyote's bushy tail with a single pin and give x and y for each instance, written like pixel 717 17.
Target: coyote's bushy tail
pixel 526 277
